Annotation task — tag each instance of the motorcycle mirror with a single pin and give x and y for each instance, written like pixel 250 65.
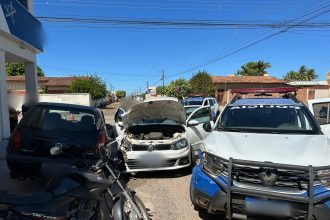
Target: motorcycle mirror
pixel 55 151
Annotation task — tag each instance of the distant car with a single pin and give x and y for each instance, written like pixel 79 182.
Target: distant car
pixel 79 129
pixel 193 103
pixel 323 112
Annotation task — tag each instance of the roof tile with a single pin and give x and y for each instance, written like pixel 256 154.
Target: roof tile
pixel 246 79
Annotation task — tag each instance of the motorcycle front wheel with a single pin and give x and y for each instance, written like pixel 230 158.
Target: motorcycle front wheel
pixel 123 210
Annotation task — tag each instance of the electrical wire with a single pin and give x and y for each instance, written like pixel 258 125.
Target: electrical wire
pixel 243 47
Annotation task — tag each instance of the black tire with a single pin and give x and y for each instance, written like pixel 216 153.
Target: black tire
pixel 14 175
pixel 130 215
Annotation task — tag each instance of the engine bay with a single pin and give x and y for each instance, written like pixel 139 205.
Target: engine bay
pixel 154 132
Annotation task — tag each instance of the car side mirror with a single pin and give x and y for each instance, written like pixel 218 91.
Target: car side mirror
pixel 193 123
pixel 207 126
pixel 55 151
pixel 120 124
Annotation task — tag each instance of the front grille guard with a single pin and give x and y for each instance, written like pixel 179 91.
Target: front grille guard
pixel 310 201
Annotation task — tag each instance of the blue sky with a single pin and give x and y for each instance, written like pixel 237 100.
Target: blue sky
pixel 129 57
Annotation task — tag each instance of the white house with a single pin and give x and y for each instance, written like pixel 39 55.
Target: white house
pixel 20 41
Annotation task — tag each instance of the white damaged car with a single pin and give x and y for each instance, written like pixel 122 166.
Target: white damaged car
pixel 157 135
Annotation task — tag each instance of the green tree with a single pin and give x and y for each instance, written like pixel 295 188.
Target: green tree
pixel 254 68
pixel 201 83
pixel 120 94
pixel 43 90
pixel 91 84
pixel 17 69
pixel 303 74
pixel 178 88
pixel 160 89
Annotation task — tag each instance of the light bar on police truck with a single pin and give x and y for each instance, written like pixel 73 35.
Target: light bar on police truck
pixel 265 90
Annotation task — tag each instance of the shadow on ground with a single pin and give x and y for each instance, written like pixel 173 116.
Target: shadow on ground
pixel 165 174
pixel 206 216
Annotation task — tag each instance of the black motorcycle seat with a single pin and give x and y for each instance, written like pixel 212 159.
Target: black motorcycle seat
pixel 27 199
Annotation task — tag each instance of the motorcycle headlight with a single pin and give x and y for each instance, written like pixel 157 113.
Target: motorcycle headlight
pixel 212 164
pixel 324 178
pixel 180 144
pixel 126 144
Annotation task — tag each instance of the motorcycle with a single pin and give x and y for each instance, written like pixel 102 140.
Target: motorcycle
pixel 76 192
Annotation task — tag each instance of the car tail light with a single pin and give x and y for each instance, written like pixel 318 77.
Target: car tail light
pixel 16 141
pixel 101 140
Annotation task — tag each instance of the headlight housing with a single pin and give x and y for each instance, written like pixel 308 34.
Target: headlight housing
pixel 212 164
pixel 180 144
pixel 126 144
pixel 324 178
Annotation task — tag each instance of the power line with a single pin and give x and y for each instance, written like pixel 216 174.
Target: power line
pixel 194 5
pixel 209 24
pixel 245 46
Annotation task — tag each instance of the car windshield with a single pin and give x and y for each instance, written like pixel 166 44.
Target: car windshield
pixel 193 102
pixel 190 110
pixel 54 118
pixel 267 119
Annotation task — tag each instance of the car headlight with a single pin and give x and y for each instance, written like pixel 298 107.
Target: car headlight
pixel 212 164
pixel 126 144
pixel 324 177
pixel 180 144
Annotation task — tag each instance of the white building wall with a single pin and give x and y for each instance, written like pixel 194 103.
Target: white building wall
pixel 322 93
pixel 30 6
pixel 4 114
pixel 12 49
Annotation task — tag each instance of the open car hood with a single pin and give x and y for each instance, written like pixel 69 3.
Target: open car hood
pixel 153 109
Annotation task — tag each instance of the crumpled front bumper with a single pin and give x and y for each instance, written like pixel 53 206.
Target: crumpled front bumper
pixel 142 161
pixel 211 193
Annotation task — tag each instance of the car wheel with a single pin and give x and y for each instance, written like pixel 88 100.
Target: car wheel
pixel 14 175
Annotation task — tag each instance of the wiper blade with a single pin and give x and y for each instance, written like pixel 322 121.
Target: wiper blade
pixel 231 129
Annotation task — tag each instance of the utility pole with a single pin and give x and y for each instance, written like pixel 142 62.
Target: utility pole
pixel 147 85
pixel 163 77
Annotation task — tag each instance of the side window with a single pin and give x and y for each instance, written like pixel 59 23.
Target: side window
pixel 212 102
pixel 202 115
pixel 206 102
pixel 322 112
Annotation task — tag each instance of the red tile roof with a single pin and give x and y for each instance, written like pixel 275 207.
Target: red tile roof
pixel 22 79
pixel 246 79
pixel 48 81
pixel 60 81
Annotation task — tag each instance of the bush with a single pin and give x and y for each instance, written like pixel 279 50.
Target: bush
pixel 92 84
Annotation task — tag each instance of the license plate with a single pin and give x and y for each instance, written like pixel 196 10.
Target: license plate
pixel 270 208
